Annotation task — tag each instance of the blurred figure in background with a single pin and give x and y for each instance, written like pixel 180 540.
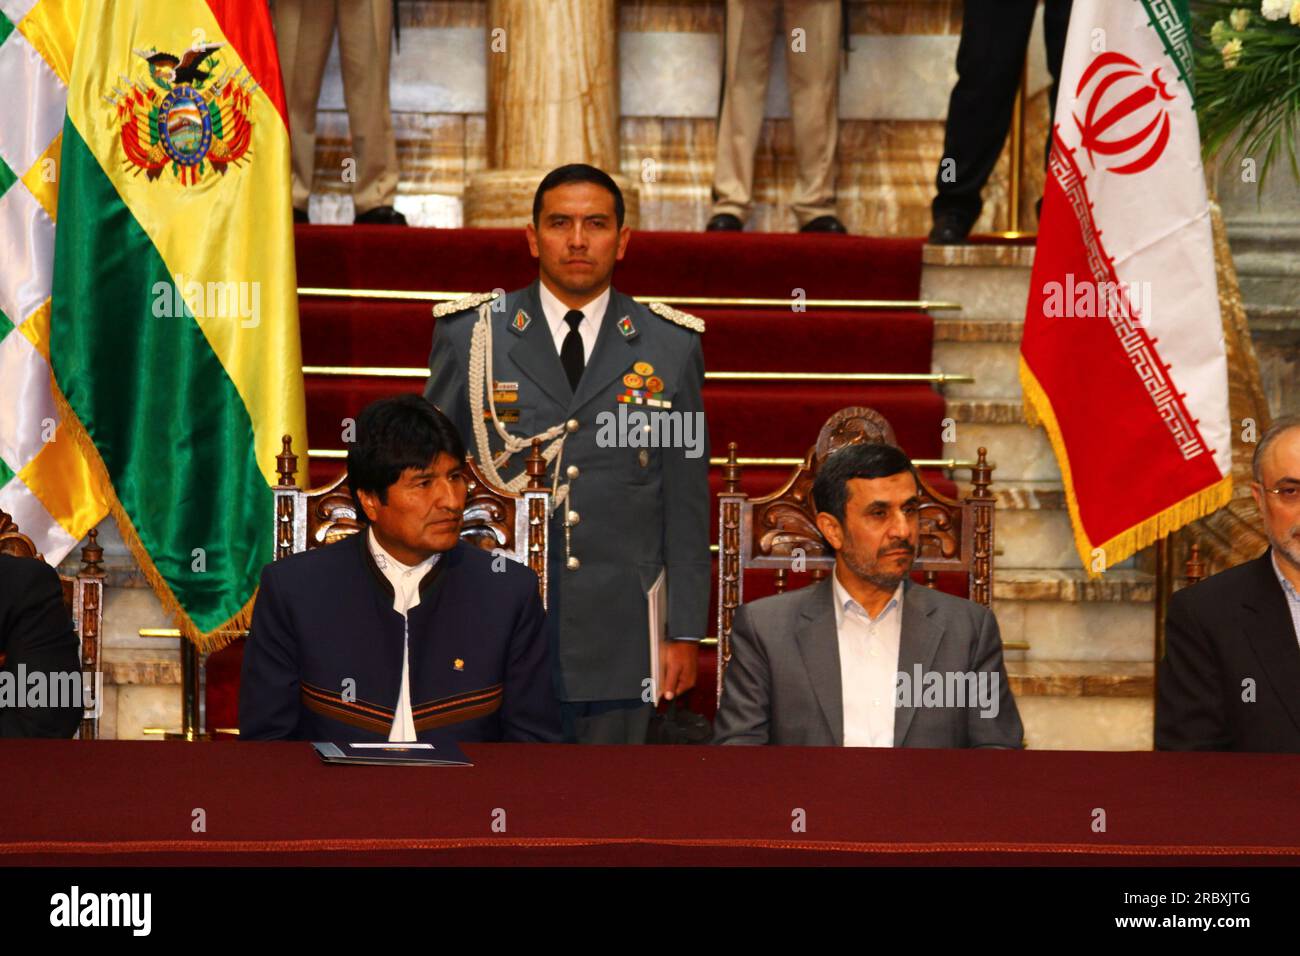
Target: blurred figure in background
pixel 990 63
pixel 812 71
pixel 303 31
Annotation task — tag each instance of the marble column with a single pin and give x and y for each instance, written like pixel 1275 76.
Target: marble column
pixel 1264 231
pixel 552 77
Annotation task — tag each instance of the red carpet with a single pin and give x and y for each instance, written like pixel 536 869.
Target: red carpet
pixel 756 265
pixel 766 418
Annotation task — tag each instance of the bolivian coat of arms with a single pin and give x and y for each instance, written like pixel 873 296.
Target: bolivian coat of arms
pixel 186 116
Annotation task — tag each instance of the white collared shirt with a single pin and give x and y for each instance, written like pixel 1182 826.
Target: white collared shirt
pixel 1292 597
pixel 592 314
pixel 405 579
pixel 868 667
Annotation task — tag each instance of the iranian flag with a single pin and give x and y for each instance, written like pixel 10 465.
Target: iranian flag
pixel 1123 359
pixel 173 331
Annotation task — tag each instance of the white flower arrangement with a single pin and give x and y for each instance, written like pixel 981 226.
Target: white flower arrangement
pixel 1274 9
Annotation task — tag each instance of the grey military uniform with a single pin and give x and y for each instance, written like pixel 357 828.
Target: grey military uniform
pixel 640 509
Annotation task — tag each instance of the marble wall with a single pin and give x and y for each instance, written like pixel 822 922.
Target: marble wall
pixel 894 91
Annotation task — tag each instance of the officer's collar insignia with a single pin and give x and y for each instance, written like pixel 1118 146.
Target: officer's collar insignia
pixel 626 327
pixel 520 322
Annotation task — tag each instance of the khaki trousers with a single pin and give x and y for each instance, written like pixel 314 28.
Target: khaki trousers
pixel 303 30
pixel 813 79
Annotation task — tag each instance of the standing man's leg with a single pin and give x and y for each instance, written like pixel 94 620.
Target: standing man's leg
pixel 1056 20
pixel 990 61
pixel 365 42
pixel 303 30
pixel 605 721
pixel 813 77
pixel 750 24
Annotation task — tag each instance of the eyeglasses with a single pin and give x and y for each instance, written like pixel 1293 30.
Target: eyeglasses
pixel 1288 495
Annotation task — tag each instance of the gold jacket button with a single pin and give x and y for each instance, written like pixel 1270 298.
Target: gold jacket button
pixel 574 517
pixel 573 563
pixel 571 424
pixel 572 471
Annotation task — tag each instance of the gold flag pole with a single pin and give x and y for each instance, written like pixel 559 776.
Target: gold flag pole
pixel 1016 174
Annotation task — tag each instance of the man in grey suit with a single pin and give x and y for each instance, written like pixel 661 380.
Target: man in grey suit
pixel 612 387
pixel 866 658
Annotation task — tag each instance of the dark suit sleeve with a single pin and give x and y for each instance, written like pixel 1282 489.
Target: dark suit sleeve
pixel 269 695
pixel 37 632
pixel 1189 704
pixel 985 726
pixel 744 714
pixel 448 370
pixel 529 710
pixel 686 513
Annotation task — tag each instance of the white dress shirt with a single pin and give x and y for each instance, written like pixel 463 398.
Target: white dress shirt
pixel 592 314
pixel 868 667
pixel 1292 597
pixel 405 579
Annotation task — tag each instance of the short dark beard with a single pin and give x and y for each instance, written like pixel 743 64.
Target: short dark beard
pixel 886 582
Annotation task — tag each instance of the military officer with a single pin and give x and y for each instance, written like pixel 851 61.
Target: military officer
pixel 613 389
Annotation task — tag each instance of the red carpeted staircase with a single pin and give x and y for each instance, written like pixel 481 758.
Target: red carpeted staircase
pixel 768 418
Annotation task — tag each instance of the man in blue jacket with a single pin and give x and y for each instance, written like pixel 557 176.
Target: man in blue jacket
pixel 401 632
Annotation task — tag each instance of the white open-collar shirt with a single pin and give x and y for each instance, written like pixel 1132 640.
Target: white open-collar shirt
pixel 868 666
pixel 405 579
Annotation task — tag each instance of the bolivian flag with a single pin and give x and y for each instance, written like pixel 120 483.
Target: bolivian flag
pixel 174 327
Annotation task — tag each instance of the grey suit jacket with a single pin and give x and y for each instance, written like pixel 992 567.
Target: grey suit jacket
pixel 783 683
pixel 641 509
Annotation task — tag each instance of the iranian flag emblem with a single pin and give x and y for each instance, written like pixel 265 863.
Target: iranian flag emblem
pixel 1123 359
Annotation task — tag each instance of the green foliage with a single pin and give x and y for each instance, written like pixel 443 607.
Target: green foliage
pixel 1251 108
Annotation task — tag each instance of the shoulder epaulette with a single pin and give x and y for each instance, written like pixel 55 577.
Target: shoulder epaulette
pixel 677 316
pixel 462 305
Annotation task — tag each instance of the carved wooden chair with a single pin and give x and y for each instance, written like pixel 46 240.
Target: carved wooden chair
pixel 1194 569
pixel 778 531
pixel 83 596
pixel 494 519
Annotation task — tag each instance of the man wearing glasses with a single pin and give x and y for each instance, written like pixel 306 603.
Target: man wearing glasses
pixel 1230 679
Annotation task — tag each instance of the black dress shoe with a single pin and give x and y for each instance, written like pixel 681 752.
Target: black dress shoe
pixel 949 230
pixel 724 222
pixel 300 215
pixel 824 224
pixel 381 216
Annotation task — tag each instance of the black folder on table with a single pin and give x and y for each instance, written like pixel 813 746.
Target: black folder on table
pixel 444 753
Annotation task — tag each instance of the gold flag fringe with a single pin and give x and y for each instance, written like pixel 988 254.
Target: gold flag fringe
pixel 1038 411
pixel 205 642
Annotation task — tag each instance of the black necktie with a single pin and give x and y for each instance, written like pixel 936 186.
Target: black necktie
pixel 571 352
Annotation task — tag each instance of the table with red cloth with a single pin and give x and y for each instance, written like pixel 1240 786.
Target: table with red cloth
pixel 73 803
